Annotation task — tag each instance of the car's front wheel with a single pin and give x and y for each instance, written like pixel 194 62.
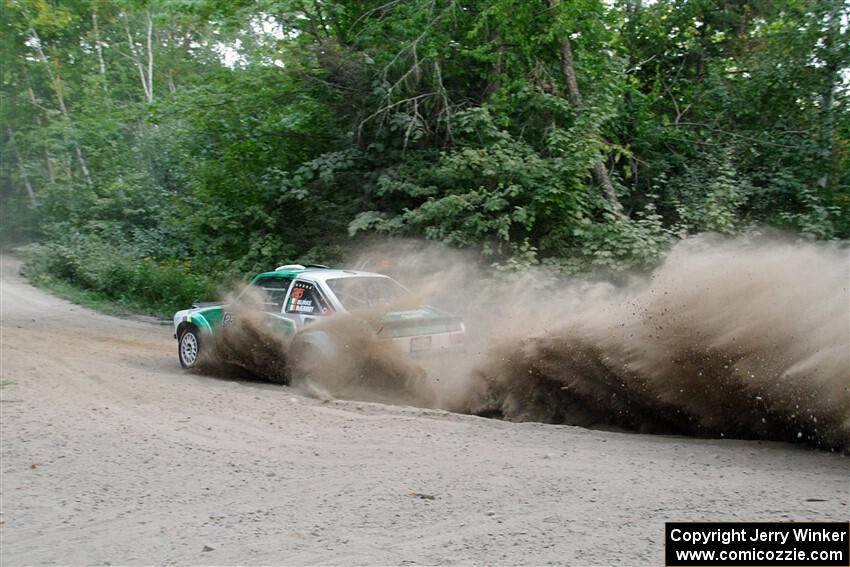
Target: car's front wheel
pixel 189 347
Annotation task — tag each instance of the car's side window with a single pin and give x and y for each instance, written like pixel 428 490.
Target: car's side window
pixel 305 299
pixel 274 290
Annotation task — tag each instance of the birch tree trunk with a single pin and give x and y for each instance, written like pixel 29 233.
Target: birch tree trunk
pixel 150 57
pixel 56 82
pixel 169 34
pixel 21 167
pixel 145 76
pixel 99 49
pixel 50 171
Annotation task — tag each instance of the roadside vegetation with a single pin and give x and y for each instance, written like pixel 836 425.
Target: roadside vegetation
pixel 93 274
pixel 151 148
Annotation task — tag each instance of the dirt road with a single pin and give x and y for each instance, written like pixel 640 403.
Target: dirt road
pixel 111 454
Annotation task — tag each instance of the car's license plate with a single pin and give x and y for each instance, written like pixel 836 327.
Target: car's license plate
pixel 420 343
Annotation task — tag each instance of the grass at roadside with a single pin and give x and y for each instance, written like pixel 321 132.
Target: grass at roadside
pixel 95 300
pixel 116 281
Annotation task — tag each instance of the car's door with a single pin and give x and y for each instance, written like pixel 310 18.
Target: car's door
pixel 304 303
pixel 273 292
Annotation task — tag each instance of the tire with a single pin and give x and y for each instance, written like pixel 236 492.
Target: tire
pixel 306 361
pixel 189 347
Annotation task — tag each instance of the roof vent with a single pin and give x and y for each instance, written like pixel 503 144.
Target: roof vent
pixel 289 268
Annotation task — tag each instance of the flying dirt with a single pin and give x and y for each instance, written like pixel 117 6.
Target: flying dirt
pixel 365 369
pixel 112 454
pixel 742 338
pixel 745 339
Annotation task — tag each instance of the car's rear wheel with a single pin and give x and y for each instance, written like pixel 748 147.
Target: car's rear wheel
pixel 189 347
pixel 306 360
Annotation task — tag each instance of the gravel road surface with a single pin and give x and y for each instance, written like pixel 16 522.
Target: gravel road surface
pixel 112 455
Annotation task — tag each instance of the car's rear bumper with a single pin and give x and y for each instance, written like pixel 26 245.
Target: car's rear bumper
pixel 424 346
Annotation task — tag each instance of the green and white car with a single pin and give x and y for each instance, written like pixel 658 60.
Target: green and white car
pixel 296 295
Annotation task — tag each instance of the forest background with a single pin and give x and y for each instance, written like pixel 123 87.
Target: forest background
pixel 153 149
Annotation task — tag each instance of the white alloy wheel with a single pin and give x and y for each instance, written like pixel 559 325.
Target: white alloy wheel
pixel 189 348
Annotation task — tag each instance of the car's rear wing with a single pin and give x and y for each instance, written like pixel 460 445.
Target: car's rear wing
pixel 202 304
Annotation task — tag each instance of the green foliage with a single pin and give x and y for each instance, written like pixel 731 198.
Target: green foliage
pixel 281 131
pixel 144 284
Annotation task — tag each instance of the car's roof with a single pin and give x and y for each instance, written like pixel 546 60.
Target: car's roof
pixel 323 275
pixel 318 274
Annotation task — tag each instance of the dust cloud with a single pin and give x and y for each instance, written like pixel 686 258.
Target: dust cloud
pixel 741 338
pixel 356 366
pixel 246 345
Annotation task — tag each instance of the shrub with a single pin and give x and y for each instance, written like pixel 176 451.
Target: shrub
pixel 141 283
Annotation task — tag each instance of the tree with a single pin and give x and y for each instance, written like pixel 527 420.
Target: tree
pixel 576 134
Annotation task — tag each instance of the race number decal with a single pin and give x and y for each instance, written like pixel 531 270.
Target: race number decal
pixel 301 299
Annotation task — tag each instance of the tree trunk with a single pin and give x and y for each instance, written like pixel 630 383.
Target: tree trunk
pixel 600 174
pixel 569 72
pixel 50 172
pixel 150 57
pixel 56 81
pixel 99 49
pixel 496 84
pixel 172 88
pixel 143 77
pixel 22 168
pixel 832 69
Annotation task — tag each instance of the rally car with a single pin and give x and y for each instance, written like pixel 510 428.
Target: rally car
pixel 295 295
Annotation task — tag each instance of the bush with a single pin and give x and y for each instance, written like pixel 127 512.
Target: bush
pixel 143 284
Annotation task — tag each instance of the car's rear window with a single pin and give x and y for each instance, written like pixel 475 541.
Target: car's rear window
pixel 359 292
pixel 274 291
